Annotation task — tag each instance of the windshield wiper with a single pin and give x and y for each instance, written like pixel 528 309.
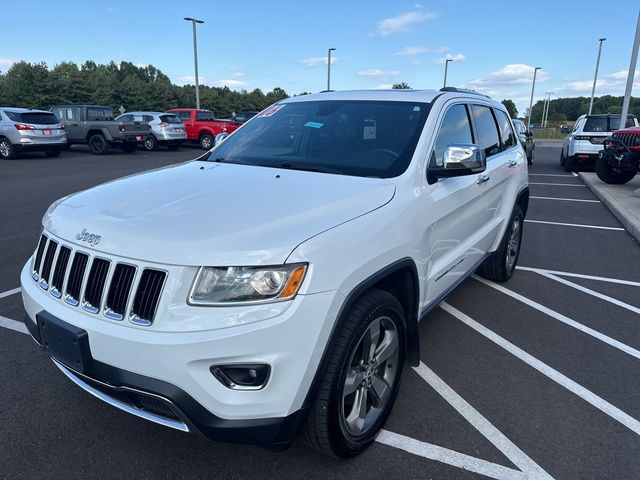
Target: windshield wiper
pixel 307 168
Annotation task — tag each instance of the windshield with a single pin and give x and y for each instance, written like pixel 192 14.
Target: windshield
pixel 360 138
pixel 605 124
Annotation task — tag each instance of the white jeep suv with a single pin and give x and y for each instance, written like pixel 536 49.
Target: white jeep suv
pixel 274 285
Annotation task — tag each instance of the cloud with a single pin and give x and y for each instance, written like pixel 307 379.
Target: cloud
pixel 5 64
pixel 611 84
pixel 458 57
pixel 189 80
pixel 384 86
pixel 377 73
pixel 229 82
pixel 293 79
pixel 509 75
pixel 418 5
pixel 237 74
pixel 408 51
pixel 401 23
pixel 315 61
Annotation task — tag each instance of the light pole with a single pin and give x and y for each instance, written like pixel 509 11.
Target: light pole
pixel 630 75
pixel 595 77
pixel 545 112
pixel 533 87
pixel 329 68
pixel 195 55
pixel 446 67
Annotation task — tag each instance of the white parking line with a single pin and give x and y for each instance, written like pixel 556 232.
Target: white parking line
pixel 577 389
pixel 598 227
pixel 450 457
pixel 599 295
pixel 580 275
pixel 547 175
pixel 8 293
pixel 566 199
pixel 13 325
pixel 558 184
pixel 562 318
pixel 496 437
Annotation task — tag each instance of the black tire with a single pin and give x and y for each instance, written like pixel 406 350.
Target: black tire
pixel 98 144
pixel 530 157
pixel 206 141
pixel 129 147
pixel 326 427
pixel 52 153
pixel 150 143
pixel 7 152
pixel 569 164
pixel 562 159
pixel 173 148
pixel 502 263
pixel 611 175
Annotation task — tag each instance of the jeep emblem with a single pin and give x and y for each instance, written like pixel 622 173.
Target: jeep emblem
pixel 91 238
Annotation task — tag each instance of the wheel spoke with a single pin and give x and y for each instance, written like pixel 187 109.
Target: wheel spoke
pixel 380 391
pixel 370 340
pixel 353 381
pixel 387 347
pixel 358 410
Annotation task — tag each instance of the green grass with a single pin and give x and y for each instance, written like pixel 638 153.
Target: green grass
pixel 548 133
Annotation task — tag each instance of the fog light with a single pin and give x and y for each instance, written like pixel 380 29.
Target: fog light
pixel 243 376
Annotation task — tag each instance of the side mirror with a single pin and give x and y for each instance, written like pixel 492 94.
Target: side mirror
pixel 460 159
pixel 220 137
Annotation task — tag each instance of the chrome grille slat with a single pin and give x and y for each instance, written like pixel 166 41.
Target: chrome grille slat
pixel 118 289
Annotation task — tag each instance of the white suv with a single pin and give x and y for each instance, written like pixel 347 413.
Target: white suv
pixel 585 141
pixel 275 284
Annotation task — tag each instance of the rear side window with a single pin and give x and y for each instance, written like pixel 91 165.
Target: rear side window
pixel 184 115
pixel 170 119
pixel 34 118
pixel 486 129
pixel 125 118
pixel 70 114
pixel 99 114
pixel 455 128
pixel 508 137
pixel 204 116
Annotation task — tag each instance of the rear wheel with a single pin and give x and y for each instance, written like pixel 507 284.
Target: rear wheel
pixel 150 143
pixel 6 149
pixel 569 164
pixel 360 381
pixel 502 263
pixel 52 153
pixel 98 144
pixel 206 141
pixel 611 175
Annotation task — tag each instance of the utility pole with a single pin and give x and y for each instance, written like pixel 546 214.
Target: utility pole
pixel 446 65
pixel 533 87
pixel 546 112
pixel 195 56
pixel 595 77
pixel 632 71
pixel 329 68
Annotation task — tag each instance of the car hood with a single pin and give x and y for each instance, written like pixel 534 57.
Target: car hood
pixel 202 213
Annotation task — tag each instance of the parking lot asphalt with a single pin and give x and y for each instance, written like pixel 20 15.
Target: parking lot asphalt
pixel 534 378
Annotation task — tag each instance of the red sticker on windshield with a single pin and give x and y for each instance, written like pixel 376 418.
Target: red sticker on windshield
pixel 271 110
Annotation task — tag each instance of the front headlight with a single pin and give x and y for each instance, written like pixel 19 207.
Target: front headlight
pixel 245 285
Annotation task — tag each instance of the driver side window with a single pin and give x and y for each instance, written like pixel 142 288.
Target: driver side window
pixel 455 128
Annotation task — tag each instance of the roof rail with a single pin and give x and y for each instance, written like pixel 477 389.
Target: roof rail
pixel 463 90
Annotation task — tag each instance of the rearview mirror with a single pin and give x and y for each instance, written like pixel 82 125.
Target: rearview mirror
pixel 460 159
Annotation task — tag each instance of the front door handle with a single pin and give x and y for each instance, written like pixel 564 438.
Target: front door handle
pixel 483 177
pixel 512 163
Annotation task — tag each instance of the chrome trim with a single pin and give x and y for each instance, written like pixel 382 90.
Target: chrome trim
pixel 87 307
pixel 111 315
pixel 136 320
pixel 55 292
pixel 70 300
pixel 43 284
pixel 133 317
pixel 35 276
pixel 71 375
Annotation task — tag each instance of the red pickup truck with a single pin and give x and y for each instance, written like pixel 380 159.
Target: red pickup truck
pixel 202 126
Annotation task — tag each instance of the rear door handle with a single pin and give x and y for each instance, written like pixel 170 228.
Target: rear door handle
pixel 483 177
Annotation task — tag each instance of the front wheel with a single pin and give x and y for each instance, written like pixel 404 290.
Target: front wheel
pixel 206 141
pixel 360 381
pixel 502 263
pixel 611 175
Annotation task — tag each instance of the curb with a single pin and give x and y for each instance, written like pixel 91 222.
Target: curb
pixel 629 217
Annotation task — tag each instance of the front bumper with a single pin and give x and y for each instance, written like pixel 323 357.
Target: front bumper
pixel 175 366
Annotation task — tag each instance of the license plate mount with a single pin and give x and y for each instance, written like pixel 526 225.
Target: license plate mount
pixel 65 342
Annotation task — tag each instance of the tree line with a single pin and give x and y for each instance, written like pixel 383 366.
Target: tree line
pixel 35 85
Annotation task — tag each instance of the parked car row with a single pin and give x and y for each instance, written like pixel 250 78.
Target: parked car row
pixel 28 130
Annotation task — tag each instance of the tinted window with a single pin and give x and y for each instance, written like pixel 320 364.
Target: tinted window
pixel 34 118
pixel 125 118
pixel 486 129
pixel 184 115
pixel 99 114
pixel 361 138
pixel 455 128
pixel 605 124
pixel 508 137
pixel 170 119
pixel 204 117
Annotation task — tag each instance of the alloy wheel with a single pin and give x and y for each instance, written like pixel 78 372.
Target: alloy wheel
pixel 513 245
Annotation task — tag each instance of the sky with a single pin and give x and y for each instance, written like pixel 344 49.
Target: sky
pixel 247 44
